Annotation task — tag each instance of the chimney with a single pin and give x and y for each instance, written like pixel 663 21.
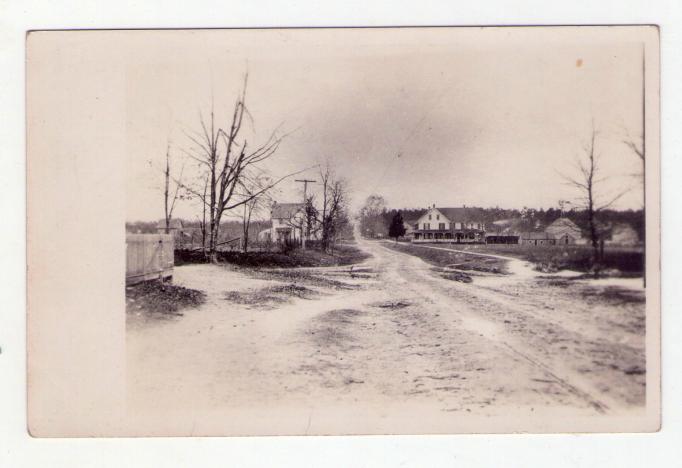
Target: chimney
pixel 434 205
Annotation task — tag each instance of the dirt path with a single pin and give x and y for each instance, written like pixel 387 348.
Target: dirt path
pixel 374 344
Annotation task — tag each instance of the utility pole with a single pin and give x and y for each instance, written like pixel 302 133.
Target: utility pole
pixel 305 201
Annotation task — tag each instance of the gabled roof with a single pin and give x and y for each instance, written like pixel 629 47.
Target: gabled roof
pixel 463 214
pixel 563 226
pixel 286 210
pixel 563 223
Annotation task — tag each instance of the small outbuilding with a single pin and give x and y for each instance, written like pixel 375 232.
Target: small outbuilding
pixel 565 232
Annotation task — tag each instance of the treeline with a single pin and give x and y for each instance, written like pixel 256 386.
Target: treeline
pixel 228 229
pixel 376 223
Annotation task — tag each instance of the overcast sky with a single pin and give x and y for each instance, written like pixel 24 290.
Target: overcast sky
pixel 484 117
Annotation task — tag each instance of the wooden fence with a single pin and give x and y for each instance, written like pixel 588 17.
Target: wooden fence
pixel 148 256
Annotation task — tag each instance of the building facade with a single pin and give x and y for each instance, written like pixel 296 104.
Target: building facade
pixel 565 232
pixel 289 223
pixel 449 225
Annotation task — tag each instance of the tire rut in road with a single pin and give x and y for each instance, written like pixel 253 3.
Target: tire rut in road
pixel 494 333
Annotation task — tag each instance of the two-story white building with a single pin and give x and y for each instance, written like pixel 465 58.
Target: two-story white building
pixel 457 225
pixel 288 223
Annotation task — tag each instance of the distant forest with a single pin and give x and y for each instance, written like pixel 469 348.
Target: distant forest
pixel 228 229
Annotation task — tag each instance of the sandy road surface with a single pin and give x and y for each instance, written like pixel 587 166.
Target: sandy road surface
pixel 388 346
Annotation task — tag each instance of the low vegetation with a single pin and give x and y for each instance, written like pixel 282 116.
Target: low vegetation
pixel 270 295
pixel 617 261
pixel 157 297
pixel 343 254
pixel 627 261
pixel 304 277
pixel 454 260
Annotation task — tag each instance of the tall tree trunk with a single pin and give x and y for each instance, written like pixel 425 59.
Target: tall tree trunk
pixel 246 223
pixel 594 234
pixel 213 256
pixel 203 218
pixel 165 192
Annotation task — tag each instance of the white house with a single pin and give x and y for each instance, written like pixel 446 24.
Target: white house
pixel 288 223
pixel 460 225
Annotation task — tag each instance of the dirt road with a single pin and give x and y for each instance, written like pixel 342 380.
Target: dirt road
pixel 388 346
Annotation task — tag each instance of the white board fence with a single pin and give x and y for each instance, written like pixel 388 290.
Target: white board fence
pixel 148 256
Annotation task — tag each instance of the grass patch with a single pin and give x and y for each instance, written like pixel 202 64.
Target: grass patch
pixel 455 260
pixel 457 276
pixel 270 294
pixel 302 277
pixel 629 261
pixel 156 297
pixel 613 295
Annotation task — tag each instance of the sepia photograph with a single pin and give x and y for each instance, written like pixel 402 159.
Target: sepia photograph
pixel 342 231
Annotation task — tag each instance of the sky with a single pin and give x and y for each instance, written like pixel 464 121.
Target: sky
pixel 452 117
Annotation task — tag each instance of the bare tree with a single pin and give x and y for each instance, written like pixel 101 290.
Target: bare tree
pixel 168 200
pixel 588 181
pixel 311 213
pixel 253 206
pixel 636 145
pixel 332 212
pixel 372 222
pixel 202 223
pixel 226 158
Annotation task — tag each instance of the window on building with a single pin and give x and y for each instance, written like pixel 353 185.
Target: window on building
pixel 437 216
pixel 441 226
pixel 429 217
pixel 427 225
